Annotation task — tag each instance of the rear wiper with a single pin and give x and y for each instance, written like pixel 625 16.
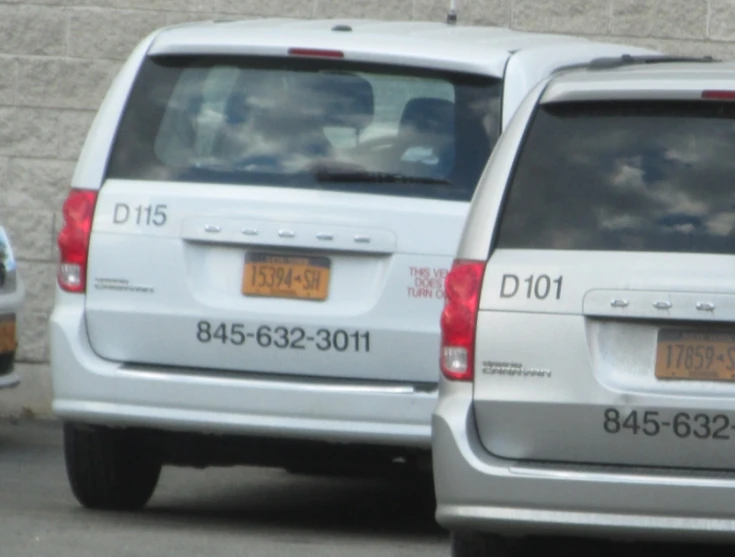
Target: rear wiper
pixel 375 177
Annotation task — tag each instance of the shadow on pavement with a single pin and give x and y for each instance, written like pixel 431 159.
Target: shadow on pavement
pixel 403 510
pixel 284 501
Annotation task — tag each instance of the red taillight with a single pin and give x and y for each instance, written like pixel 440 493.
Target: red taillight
pixel 319 53
pixel 73 239
pixel 719 95
pixel 459 319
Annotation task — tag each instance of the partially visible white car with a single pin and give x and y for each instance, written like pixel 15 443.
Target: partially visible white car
pixel 257 238
pixel 12 297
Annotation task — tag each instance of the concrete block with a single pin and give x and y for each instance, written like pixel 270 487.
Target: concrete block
pixel 58 224
pixel 672 19
pixel 434 10
pixel 6 131
pixel 74 3
pixel 32 398
pixel 371 9
pixel 282 8
pixel 487 12
pixel 721 50
pixel 172 5
pixel 176 18
pixel 470 12
pixel 109 34
pixel 722 20
pixel 31 233
pixel 33 346
pixel 40 281
pixel 73 127
pixel 562 16
pixel 8 80
pixel 33 30
pixel 61 3
pixel 35 132
pixel 36 184
pixel 56 83
pixel 168 5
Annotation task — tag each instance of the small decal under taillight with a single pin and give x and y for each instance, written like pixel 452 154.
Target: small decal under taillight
pixel 73 240
pixel 459 319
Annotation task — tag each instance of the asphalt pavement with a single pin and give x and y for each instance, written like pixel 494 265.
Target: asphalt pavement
pixel 235 512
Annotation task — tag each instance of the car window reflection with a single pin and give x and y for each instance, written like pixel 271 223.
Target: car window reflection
pixel 632 176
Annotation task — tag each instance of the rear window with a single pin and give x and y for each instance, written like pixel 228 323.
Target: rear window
pixel 308 123
pixel 631 176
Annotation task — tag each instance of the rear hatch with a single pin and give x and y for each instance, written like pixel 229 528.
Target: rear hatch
pixel 606 331
pixel 290 215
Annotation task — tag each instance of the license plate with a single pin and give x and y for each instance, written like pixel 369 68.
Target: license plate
pixel 695 354
pixel 282 276
pixel 8 339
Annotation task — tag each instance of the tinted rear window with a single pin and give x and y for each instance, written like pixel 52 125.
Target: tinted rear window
pixel 632 176
pixel 311 123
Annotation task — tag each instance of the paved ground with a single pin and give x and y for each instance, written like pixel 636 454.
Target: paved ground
pixel 230 512
pixel 210 513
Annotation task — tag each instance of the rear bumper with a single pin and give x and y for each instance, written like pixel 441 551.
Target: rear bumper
pixel 89 389
pixel 478 492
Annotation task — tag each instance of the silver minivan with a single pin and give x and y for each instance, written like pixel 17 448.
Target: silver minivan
pixel 588 338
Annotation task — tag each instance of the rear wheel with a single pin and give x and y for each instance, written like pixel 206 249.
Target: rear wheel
pixel 478 545
pixel 109 469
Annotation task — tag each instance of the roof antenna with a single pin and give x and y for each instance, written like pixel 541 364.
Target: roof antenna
pixel 452 15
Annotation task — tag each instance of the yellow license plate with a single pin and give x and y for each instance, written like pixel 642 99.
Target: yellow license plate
pixel 695 354
pixel 8 339
pixel 283 276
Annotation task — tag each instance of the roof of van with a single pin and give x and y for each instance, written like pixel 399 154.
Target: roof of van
pixel 659 81
pixel 431 44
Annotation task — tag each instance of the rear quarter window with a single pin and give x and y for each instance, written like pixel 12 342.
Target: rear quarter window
pixel 625 176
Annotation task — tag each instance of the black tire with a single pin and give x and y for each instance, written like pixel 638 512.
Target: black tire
pixel 109 469
pixel 478 545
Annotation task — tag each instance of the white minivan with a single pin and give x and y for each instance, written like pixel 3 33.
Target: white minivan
pixel 256 241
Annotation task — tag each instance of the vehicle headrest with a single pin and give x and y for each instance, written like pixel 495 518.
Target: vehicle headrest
pixel 428 115
pixel 348 99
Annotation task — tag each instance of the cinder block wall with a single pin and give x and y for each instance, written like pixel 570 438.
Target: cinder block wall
pixel 57 58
